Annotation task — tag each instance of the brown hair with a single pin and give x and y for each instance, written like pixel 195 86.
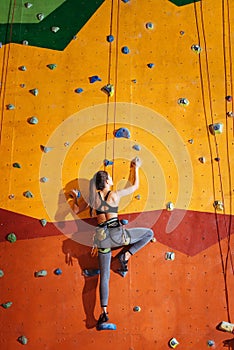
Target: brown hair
pixel 97 183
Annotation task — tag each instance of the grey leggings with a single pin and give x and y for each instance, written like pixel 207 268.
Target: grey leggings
pixel 139 238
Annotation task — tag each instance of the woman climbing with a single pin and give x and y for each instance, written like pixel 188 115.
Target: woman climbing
pixel 110 233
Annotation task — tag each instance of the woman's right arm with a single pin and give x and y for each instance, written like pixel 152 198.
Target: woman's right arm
pixel 135 165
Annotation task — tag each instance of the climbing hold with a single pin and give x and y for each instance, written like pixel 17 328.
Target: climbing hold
pixel 58 272
pixel 136 147
pixel 153 240
pixel 137 308
pixel 191 141
pixel 202 159
pixel 1 273
pixel 170 206
pixel 16 165
pixel 134 81
pixel 79 90
pixel 196 48
pixel 25 42
pixel 217 159
pixel 22 85
pixel 125 1
pixel 149 25
pixel 182 32
pixel 22 68
pixel 183 101
pixel 125 50
pixel 226 326
pixel 216 128
pixel 218 205
pixel 108 162
pixel 122 132
pixel 173 343
pixel 110 38
pixel 11 196
pixel 108 89
pixel 7 305
pixel 170 256
pixel 23 340
pixel 28 194
pixel 52 66
pixel 11 237
pixel 40 16
pixel 91 272
pixel 94 78
pixel 28 5
pixel 10 106
pixel 43 222
pixel 46 149
pixel 210 343
pixel 44 179
pixel 150 65
pixel 229 98
pixel 55 29
pixel 67 144
pixel 106 327
pixel 41 273
pixel 230 114
pixel 138 197
pixel 124 221
pixel 34 92
pixel 33 120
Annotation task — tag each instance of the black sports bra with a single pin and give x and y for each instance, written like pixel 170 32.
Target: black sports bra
pixel 110 209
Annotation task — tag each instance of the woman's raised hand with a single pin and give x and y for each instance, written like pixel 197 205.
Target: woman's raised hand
pixel 136 162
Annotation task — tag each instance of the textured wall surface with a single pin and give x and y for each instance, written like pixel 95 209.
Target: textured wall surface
pixel 170 67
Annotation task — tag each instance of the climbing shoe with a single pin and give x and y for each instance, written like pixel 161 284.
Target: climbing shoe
pixel 123 262
pixel 103 318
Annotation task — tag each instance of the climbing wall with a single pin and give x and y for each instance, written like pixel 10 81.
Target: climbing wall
pixel 73 73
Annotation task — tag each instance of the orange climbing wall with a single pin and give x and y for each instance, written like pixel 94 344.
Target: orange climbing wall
pixel 185 298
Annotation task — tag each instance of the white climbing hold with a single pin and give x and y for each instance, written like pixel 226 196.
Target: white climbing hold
pixel 34 92
pixel 40 16
pixel 218 205
pixel 28 5
pixel 183 101
pixel 33 120
pixel 170 206
pixel 196 48
pixel 55 29
pixel 170 256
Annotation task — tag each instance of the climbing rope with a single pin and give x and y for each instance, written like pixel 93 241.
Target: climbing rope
pixel 227 227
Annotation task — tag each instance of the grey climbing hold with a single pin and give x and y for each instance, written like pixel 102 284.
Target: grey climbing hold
pixel 170 206
pixel 137 309
pixel 25 42
pixel 7 305
pixel 52 66
pixel 108 89
pixel 43 222
pixel 183 101
pixel 170 256
pixel 23 340
pixel 33 120
pixel 1 273
pixel 110 38
pixel 149 25
pixel 41 273
pixel 230 114
pixel 10 106
pixel 107 162
pixel 136 147
pixel 44 179
pixel 134 81
pixel 218 205
pixel 16 165
pixel 122 132
pixel 40 16
pixel 55 29
pixel 216 128
pixel 11 196
pixel 34 92
pixel 138 197
pixel 28 5
pixel 94 78
pixel 11 237
pixel 125 50
pixel 23 68
pixel 46 149
pixel 28 194
pixel 191 141
pixel 196 48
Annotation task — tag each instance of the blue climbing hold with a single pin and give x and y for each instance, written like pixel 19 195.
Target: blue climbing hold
pixel 33 120
pixel 122 132
pixel 94 78
pixel 125 50
pixel 91 272
pixel 106 327
pixel 124 221
pixel 136 147
pixel 150 65
pixel 58 272
pixel 79 90
pixel 34 92
pixel 108 162
pixel 10 106
pixel 110 38
pixel 16 165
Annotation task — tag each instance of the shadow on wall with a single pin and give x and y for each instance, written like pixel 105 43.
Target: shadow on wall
pixel 229 343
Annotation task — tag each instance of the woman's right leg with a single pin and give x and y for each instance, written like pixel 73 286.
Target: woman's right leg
pixel 104 258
